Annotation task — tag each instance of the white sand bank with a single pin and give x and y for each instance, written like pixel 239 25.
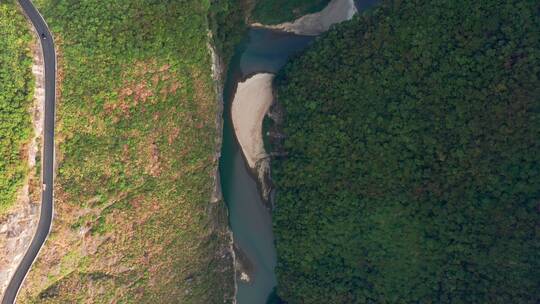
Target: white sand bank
pixel 314 24
pixel 251 102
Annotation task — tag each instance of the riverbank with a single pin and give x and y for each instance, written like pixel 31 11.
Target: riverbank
pixel 254 96
pixel 245 165
pixel 317 23
pixel 218 72
pixel 261 52
pixel 251 102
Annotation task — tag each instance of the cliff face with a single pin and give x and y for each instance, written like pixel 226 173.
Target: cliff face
pixel 16 231
pixel 221 217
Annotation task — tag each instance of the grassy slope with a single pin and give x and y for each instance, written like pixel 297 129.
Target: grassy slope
pixel 136 125
pixel 413 171
pixel 16 91
pixel 278 11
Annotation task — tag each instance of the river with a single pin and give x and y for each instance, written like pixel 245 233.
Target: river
pixel 261 51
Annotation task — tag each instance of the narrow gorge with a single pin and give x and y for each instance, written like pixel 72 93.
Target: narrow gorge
pixel 245 158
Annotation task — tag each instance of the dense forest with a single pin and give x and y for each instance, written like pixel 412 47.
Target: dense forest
pixel 16 91
pixel 413 167
pixel 136 132
pixel 227 23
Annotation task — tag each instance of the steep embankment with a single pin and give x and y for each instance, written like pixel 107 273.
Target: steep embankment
pixel 413 166
pixel 19 175
pixel 134 217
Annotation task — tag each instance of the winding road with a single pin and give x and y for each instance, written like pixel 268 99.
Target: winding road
pixel 46 214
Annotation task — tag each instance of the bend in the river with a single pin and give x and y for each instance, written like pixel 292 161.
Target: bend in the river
pixel 250 221
pixel 262 51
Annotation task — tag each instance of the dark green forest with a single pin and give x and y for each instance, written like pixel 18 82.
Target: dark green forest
pixel 413 167
pixel 227 23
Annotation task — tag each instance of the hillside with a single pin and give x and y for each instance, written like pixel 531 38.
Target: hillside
pixel 16 91
pixel 136 130
pixel 413 172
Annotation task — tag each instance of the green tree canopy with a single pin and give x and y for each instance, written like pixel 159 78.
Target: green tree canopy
pixel 413 168
pixel 16 91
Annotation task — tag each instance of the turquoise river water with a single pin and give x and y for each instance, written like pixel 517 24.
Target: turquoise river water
pixel 261 51
pixel 250 221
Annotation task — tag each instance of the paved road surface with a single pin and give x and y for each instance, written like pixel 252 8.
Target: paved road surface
pixel 45 218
